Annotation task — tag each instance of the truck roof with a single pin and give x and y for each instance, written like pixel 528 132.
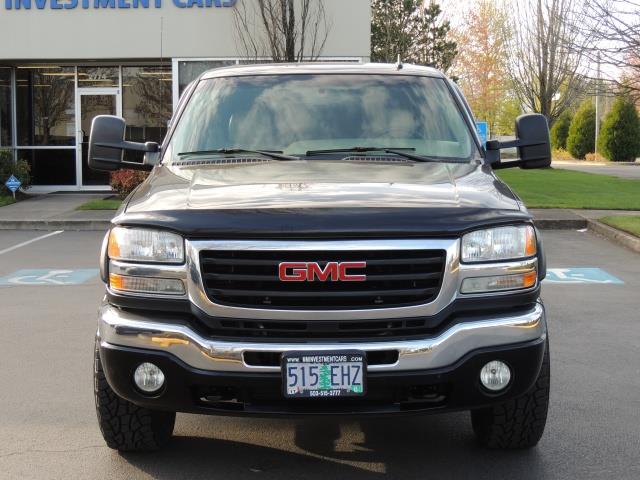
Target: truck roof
pixel 322 68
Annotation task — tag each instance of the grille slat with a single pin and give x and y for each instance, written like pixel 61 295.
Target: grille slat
pixel 373 262
pixel 249 279
pixel 296 293
pixel 269 278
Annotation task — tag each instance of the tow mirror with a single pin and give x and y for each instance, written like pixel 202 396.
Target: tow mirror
pixel 532 141
pixel 107 146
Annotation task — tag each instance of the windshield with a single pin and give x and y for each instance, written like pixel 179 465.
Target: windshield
pixel 296 114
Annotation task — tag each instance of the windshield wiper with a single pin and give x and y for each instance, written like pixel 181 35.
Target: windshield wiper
pixel 394 151
pixel 355 149
pixel 275 154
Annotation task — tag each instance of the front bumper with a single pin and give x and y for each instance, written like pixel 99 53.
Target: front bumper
pixel 215 376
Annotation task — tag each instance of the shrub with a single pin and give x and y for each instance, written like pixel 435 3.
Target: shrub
pixel 125 181
pixel 619 138
pixel 21 169
pixel 582 132
pixel 559 154
pixel 594 157
pixel 560 131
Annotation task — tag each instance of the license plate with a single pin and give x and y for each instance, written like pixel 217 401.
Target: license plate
pixel 317 375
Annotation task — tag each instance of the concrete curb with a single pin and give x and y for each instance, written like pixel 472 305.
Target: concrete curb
pixel 618 236
pixel 561 224
pixel 70 225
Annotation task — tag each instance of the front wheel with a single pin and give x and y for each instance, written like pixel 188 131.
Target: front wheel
pixel 517 423
pixel 127 427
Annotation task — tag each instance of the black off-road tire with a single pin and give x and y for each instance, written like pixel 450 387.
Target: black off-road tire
pixel 125 426
pixel 518 423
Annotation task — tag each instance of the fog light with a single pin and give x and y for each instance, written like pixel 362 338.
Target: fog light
pixel 495 376
pixel 148 378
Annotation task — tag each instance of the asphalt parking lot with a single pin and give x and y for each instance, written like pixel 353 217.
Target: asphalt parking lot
pixel 48 427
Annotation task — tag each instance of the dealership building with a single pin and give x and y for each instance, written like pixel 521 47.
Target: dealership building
pixel 62 62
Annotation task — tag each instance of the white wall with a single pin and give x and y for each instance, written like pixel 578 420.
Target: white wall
pixel 109 34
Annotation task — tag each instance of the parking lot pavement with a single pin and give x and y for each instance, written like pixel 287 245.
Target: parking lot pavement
pixel 48 427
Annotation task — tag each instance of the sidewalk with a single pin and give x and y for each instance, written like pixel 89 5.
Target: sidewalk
pixel 55 211
pixel 616 169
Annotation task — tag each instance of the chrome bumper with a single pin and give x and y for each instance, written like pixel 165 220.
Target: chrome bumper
pixel 120 328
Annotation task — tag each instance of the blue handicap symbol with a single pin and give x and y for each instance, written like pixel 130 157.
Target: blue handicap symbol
pixel 13 183
pixel 40 277
pixel 581 275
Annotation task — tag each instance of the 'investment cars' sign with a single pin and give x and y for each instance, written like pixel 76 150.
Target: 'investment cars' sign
pixel 111 4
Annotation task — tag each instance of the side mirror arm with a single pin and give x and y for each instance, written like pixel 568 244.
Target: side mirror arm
pixel 517 143
pixel 493 148
pixel 151 149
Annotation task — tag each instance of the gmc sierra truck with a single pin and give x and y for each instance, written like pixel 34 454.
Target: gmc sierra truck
pixel 321 239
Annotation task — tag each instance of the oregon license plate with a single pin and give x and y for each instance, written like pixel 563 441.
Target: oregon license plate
pixel 317 375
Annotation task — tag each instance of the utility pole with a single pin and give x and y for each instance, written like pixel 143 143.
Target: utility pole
pixel 597 107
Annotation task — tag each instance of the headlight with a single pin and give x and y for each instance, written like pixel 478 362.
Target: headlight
pixel 502 243
pixel 144 245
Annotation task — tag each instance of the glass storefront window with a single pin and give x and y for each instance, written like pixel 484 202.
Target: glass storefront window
pixel 98 77
pixel 45 106
pixel 188 71
pixel 5 107
pixel 146 104
pixel 51 167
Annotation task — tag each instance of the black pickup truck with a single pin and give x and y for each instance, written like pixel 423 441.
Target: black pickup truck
pixel 322 239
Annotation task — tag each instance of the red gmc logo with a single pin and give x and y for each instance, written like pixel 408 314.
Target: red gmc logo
pixel 312 271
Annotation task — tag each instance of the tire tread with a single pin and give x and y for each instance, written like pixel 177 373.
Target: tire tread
pixel 125 426
pixel 517 423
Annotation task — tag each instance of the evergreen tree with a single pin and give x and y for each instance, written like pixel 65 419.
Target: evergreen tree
pixel 413 31
pixel 560 130
pixel 433 46
pixel 582 132
pixel 392 29
pixel 619 138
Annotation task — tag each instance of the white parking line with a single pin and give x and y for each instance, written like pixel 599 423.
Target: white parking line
pixel 24 244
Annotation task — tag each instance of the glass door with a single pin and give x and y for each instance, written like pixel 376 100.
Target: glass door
pixel 91 103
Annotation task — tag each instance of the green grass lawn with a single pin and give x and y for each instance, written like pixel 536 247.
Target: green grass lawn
pixel 629 224
pixel 108 204
pixel 6 200
pixel 552 188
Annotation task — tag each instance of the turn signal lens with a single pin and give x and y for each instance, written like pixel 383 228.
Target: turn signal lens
pixel 530 279
pixel 162 286
pixel 530 247
pixel 114 249
pixel 499 283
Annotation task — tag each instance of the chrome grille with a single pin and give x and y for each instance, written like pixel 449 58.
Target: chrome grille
pixel 250 279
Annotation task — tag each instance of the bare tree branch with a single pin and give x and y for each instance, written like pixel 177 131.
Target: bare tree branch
pixel 614 26
pixel 546 56
pixel 282 30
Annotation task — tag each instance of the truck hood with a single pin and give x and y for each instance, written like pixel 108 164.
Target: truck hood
pixel 320 197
